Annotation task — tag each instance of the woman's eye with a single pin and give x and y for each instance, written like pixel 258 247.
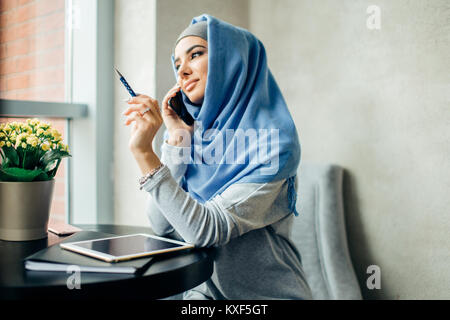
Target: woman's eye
pixel 192 56
pixel 198 52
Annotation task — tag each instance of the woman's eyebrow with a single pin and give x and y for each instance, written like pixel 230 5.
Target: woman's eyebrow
pixel 190 49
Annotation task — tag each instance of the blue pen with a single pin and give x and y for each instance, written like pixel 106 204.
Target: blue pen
pixel 125 83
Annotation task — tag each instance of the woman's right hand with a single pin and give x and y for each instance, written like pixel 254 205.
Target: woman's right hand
pixel 179 132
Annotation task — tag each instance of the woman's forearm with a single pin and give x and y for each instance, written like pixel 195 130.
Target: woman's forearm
pixel 173 158
pixel 158 223
pixel 147 161
pixel 176 159
pixel 201 224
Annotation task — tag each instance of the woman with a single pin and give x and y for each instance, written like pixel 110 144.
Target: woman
pixel 229 180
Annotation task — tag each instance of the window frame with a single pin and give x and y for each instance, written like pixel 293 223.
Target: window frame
pixel 92 64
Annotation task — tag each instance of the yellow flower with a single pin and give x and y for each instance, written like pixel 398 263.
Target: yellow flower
pixel 32 140
pixel 63 147
pixel 2 144
pixel 8 144
pixel 33 122
pixel 21 140
pixel 13 137
pixel 56 135
pixel 14 126
pixel 45 147
pixel 27 129
pixel 23 136
pixel 44 126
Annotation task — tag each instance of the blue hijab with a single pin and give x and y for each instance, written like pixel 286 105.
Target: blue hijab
pixel 244 132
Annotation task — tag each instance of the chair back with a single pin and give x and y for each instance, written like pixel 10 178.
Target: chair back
pixel 320 235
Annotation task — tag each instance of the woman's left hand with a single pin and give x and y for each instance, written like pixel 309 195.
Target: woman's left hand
pixel 145 124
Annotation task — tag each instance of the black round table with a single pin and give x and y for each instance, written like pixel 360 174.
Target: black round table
pixel 166 276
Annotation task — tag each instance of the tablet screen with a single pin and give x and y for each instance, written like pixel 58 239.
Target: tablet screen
pixel 130 245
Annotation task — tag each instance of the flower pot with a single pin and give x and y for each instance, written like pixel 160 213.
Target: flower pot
pixel 25 209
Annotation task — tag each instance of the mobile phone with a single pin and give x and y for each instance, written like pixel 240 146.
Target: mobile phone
pixel 61 229
pixel 177 105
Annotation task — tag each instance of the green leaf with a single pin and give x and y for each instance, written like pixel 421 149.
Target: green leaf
pixel 31 160
pixel 2 158
pixel 42 177
pixel 11 155
pixel 51 156
pixel 52 168
pixel 22 175
pixel 20 153
pixel 52 165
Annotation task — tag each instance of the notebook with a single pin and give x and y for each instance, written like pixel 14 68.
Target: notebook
pixel 54 258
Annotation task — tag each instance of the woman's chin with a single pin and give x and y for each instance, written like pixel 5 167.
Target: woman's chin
pixel 196 100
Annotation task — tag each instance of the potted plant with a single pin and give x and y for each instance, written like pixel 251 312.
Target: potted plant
pixel 30 154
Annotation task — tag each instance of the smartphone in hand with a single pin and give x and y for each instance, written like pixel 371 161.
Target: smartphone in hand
pixel 177 104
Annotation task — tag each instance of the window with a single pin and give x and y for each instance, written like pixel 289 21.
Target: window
pixel 32 50
pixel 64 71
pixel 32 56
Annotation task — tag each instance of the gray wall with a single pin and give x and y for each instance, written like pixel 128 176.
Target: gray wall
pixel 377 103
pixel 135 56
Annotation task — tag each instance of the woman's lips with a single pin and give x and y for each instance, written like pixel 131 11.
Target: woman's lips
pixel 190 86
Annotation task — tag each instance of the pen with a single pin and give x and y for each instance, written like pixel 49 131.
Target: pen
pixel 125 83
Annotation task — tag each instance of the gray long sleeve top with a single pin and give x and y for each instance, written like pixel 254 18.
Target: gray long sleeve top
pixel 249 224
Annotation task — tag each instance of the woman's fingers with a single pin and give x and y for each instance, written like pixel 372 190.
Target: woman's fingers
pixel 144 112
pixel 142 99
pixel 134 117
pixel 141 103
pixel 140 108
pixel 172 93
pixel 166 100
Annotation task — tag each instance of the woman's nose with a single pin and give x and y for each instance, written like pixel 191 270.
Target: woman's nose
pixel 183 70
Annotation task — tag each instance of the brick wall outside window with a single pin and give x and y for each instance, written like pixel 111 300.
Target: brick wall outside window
pixel 32 34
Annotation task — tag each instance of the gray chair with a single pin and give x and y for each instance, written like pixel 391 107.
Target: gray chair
pixel 320 235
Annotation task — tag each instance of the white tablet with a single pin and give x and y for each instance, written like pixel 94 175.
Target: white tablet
pixel 127 247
